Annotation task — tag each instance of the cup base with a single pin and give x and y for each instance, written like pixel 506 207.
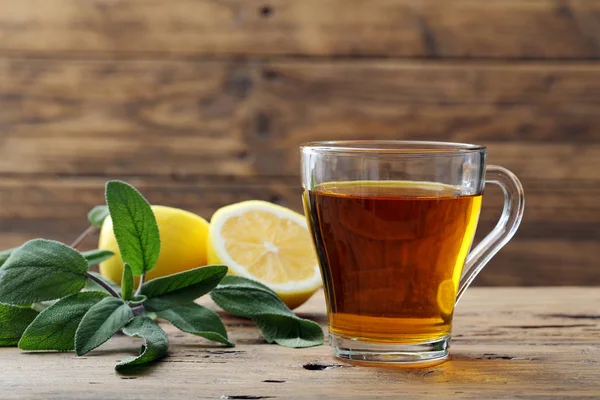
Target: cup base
pixel 414 354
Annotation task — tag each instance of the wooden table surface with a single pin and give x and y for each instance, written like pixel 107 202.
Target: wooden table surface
pixel 507 343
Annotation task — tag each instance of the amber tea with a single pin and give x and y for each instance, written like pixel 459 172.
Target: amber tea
pixel 391 254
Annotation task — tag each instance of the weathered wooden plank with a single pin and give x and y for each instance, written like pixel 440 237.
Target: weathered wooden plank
pixel 182 157
pixel 61 197
pixel 428 28
pixel 533 343
pixel 184 96
pixel 539 262
pixel 557 243
pixel 247 118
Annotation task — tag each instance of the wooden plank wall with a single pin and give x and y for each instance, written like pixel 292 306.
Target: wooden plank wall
pixel 201 103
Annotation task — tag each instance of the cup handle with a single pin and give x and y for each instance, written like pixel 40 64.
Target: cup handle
pixel 514 204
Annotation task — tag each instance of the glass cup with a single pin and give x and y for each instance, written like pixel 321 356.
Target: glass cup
pixel 393 223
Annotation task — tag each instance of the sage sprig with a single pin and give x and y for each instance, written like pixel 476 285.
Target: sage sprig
pixel 249 299
pixel 134 226
pixel 49 300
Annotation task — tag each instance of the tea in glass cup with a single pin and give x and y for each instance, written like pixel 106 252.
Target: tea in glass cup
pixel 393 223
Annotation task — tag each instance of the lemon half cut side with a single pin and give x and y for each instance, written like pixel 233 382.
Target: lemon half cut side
pixel 268 243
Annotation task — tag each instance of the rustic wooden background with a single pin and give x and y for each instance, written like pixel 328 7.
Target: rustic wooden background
pixel 200 103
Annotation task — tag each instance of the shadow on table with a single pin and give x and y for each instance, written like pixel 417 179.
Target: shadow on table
pixel 466 368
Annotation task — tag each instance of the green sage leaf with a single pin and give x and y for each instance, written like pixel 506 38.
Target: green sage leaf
pixel 94 257
pixel 240 282
pixel 150 314
pixel 156 342
pixel 127 283
pixel 42 270
pixel 95 287
pixel 198 320
pixel 134 226
pixel 54 328
pixel 289 332
pixel 247 298
pixel 4 255
pixel 42 305
pixel 100 323
pixel 137 299
pixel 97 215
pixel 13 322
pixel 181 288
pixel 250 299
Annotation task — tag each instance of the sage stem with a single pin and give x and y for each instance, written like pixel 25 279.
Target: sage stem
pixel 104 285
pixel 91 229
pixel 142 280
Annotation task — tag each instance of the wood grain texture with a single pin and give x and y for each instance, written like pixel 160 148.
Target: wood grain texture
pixel 248 118
pixel 557 243
pixel 200 135
pixel 507 343
pixel 534 29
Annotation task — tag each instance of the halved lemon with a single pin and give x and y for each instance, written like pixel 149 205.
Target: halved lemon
pixel 267 243
pixel 446 297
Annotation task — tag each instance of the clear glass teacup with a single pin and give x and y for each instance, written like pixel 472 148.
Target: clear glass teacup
pixel 393 223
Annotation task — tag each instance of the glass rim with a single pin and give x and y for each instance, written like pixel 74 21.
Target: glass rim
pixel 400 147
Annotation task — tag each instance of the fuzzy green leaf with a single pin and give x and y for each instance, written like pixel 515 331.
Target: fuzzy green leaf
pixel 94 257
pixel 100 323
pixel 134 226
pixel 137 299
pixel 198 320
pixel 42 270
pixel 13 322
pixel 156 342
pixel 181 288
pixel 289 332
pixel 246 298
pixel 127 283
pixel 97 215
pixel 4 255
pixel 150 314
pixel 54 328
pixel 42 305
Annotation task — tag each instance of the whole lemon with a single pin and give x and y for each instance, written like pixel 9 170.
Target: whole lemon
pixel 183 237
